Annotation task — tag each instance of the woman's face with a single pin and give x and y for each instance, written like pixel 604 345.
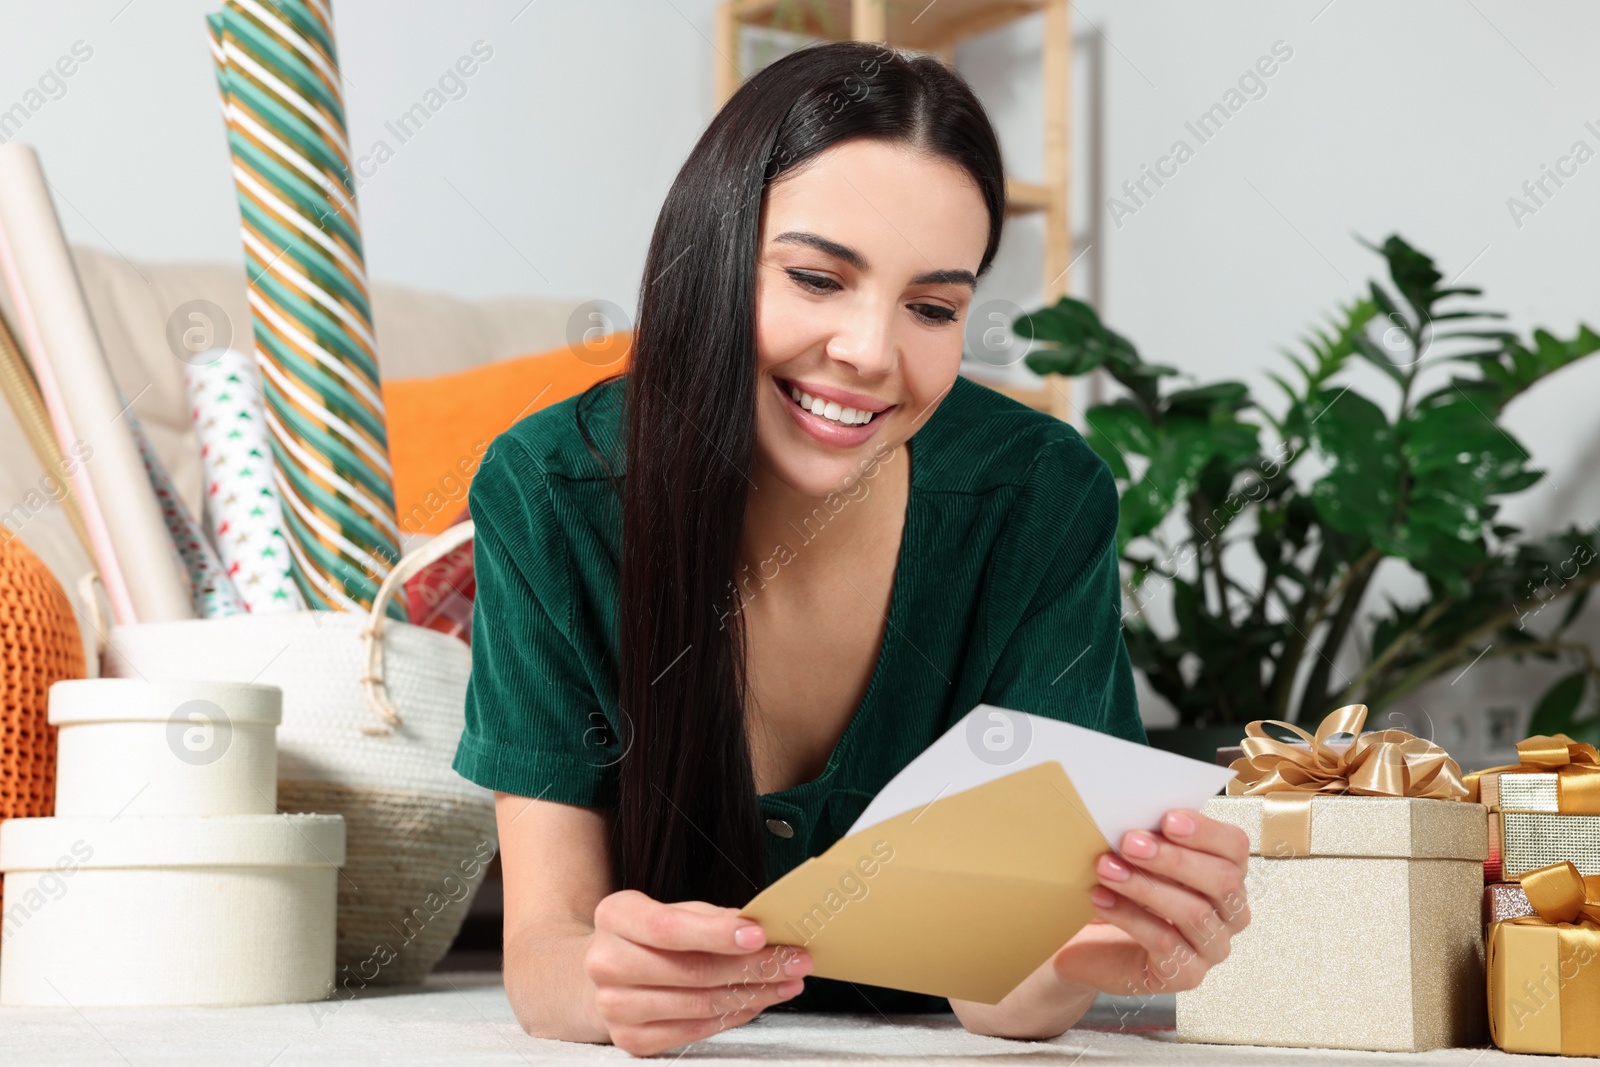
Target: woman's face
pixel 867 266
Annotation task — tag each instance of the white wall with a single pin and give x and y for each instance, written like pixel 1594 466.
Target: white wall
pixel 1421 118
pixel 545 177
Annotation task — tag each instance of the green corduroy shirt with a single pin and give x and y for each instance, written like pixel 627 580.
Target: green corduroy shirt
pixel 1006 592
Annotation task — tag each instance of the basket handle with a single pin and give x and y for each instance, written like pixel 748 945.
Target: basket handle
pixel 372 682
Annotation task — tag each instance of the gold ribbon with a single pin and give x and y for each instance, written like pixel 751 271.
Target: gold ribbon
pixel 1383 763
pixel 1570 903
pixel 1561 895
pixel 1575 764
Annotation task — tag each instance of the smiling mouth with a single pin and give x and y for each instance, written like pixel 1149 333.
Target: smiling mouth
pixel 831 410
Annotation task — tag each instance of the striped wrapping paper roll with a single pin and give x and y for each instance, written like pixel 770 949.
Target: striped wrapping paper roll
pixel 210 591
pixel 243 513
pixel 278 74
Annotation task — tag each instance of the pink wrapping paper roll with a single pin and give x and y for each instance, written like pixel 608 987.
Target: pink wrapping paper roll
pixel 67 350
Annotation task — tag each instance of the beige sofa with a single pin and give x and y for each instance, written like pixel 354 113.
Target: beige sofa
pixel 419 334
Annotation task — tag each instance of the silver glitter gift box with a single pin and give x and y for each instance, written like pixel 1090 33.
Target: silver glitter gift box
pixel 1530 840
pixel 1521 792
pixel 1530 826
pixel 1371 941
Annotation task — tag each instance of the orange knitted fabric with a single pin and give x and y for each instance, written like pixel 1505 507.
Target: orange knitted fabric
pixel 39 645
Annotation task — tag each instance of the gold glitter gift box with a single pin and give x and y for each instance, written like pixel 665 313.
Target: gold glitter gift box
pixel 1373 941
pixel 1365 887
pixel 1544 969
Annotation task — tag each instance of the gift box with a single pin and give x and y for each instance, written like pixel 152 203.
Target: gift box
pixel 1530 841
pixel 1543 809
pixel 1494 864
pixel 1505 900
pixel 1365 886
pixel 1504 791
pixel 1544 969
pixel 1553 775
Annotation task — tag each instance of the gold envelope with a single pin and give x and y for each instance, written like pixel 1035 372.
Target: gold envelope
pixel 965 897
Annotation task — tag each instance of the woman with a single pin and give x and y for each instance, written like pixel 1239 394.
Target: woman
pixel 724 598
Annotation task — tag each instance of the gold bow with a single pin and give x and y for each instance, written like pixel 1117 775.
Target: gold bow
pixel 1383 763
pixel 1575 764
pixel 1561 895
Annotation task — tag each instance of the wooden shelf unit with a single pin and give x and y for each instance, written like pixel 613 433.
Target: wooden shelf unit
pixel 937 27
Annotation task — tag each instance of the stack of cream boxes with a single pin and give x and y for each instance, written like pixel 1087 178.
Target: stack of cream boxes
pixel 167 874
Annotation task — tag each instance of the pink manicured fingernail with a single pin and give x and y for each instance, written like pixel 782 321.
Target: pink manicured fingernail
pixel 1102 897
pixel 1139 846
pixel 1178 824
pixel 749 937
pixel 1114 869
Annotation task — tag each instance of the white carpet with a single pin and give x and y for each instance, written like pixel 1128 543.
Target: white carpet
pixel 463 1019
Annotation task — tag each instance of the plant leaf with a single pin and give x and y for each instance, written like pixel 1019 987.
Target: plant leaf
pixel 1369 350
pixel 1574 608
pixel 1359 493
pixel 1204 399
pixel 1558 707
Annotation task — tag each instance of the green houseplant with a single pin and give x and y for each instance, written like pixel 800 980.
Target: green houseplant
pixel 1268 525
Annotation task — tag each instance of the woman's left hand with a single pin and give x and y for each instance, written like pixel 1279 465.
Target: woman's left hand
pixel 1175 899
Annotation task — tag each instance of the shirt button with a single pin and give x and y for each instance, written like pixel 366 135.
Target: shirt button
pixel 779 827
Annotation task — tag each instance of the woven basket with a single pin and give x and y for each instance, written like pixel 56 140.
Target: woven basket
pixel 372 712
pixel 39 646
pixel 432 847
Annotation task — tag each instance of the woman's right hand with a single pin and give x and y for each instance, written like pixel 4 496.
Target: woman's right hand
pixel 668 974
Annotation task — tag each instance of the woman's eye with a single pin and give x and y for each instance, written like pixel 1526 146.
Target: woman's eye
pixel 935 313
pixel 816 283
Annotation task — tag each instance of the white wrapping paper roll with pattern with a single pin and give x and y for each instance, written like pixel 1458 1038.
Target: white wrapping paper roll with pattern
pixel 243 514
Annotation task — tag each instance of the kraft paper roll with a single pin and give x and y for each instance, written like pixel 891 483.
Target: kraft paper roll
pixel 244 516
pixel 68 344
pixel 106 562
pixel 21 388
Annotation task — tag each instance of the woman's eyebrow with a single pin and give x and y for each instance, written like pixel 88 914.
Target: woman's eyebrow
pixel 849 255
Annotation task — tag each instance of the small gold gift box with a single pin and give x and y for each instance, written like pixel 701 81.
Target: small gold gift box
pixel 1544 969
pixel 1365 887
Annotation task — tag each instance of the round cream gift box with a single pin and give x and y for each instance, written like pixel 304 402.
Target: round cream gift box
pixel 131 747
pixel 220 910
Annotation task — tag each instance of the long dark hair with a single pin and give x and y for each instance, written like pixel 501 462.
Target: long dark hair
pixel 688 826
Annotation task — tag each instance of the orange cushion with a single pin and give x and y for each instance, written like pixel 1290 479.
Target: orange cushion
pixel 439 428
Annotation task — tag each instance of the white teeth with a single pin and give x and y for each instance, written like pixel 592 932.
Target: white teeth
pixel 828 409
